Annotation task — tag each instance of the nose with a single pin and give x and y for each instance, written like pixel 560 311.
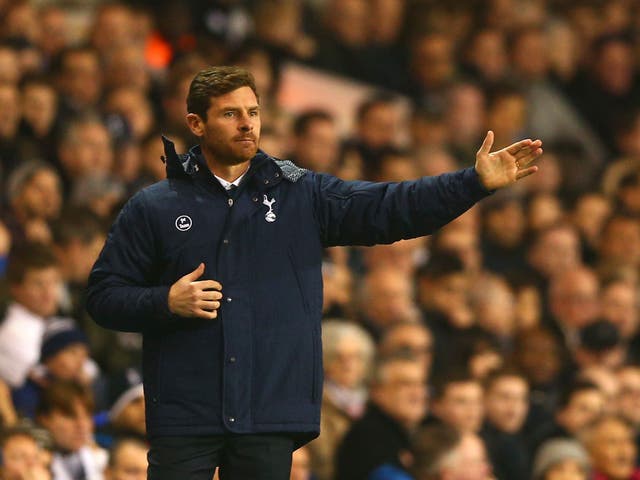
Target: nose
pixel 245 124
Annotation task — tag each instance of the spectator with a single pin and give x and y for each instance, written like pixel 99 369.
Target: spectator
pixel 411 338
pixel 65 410
pixel 347 357
pixel 398 405
pixel 506 404
pixel 560 459
pixel 611 448
pixel 34 283
pixel 458 402
pixel 21 457
pixel 127 460
pixel 315 141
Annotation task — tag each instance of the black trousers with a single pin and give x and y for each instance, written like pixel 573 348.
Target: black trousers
pixel 239 457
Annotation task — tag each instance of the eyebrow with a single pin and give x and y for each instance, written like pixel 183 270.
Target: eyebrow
pixel 237 109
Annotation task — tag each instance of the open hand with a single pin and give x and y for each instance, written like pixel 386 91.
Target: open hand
pixel 189 297
pixel 506 166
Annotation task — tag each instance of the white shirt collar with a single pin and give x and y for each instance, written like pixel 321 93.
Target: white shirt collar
pixel 227 185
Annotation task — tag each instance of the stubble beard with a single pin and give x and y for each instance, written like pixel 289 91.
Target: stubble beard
pixel 232 153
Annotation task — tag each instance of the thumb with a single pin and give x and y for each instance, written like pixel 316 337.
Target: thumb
pixel 485 148
pixel 196 274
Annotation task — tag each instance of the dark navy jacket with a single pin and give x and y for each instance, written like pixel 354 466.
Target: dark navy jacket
pixel 258 366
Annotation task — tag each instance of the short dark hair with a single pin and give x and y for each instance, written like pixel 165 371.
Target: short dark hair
pixel 114 451
pixel 430 445
pixel 215 82
pixel 60 397
pixel 305 119
pixel 29 256
pixel 578 386
pixel 76 223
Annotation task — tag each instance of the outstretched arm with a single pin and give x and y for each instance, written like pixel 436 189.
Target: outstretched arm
pixel 504 167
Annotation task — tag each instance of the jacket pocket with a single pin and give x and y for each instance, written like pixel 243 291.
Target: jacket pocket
pixel 298 275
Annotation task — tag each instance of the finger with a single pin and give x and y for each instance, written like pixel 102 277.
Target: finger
pixel 200 313
pixel 514 148
pixel 196 274
pixel 529 157
pixel 207 285
pixel 208 305
pixel 526 172
pixel 487 143
pixel 210 295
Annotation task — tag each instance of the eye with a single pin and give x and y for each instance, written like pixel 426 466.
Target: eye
pixel 229 114
pixel 253 113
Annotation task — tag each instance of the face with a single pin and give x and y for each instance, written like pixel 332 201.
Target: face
pixel 41 197
pixel 402 392
pixel 389 297
pixel 89 151
pixel 461 406
pixel 620 242
pixel 507 403
pixel 132 417
pixel 584 407
pixel 470 461
pixel 556 251
pixel 318 146
pixel 300 465
pixel 629 394
pixel 412 338
pixel 231 133
pixel 70 432
pixel 378 127
pixel 613 450
pixel 506 225
pixel 432 60
pixel 619 305
pixel 539 357
pixel 130 464
pixel 566 470
pixel 19 456
pixel 39 291
pixel 67 364
pixel 39 104
pixel 574 298
pixel 348 366
pixel 82 79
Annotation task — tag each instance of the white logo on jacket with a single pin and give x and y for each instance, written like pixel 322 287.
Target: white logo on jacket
pixel 269 216
pixel 183 223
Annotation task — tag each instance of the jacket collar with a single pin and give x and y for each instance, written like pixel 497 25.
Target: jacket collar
pixel 263 171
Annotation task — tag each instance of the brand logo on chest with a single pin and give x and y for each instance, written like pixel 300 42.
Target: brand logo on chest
pixel 269 216
pixel 183 223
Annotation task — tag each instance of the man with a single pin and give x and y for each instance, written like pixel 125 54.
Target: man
pixel 398 405
pixel 458 401
pixel 127 460
pixel 232 357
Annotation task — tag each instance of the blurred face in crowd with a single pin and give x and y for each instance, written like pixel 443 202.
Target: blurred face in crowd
pixel 488 54
pixel 348 19
pixel 396 167
pixel 432 61
pixel 505 225
pixel 39 291
pixel 231 131
pixel 619 305
pixel 131 418
pixel 402 255
pixel 584 407
pixel 494 307
pixel 613 68
pixel 573 297
pixel 401 391
pixel 413 338
pixel 465 113
pixel 130 463
pixel 113 27
pixel 461 406
pixel 54 28
pixel 555 251
pixel 378 127
pixel 464 242
pixel 300 464
pixel 69 432
pixel 81 78
pixel 620 242
pixel 39 107
pixel 132 104
pixel 21 458
pixel 40 197
pixel 507 117
pixel 612 449
pixel 507 403
pixel 88 150
pixel 469 461
pixel 125 66
pixel 317 147
pixel 68 363
pixel 386 19
pixel 538 355
pixel 530 57
pixel 566 470
pixel 589 215
pixel 388 297
pixel 545 209
pixel 9 66
pixel 77 258
pixel 628 400
pixel 9 111
pixel 348 365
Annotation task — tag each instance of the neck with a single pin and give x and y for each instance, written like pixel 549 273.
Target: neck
pixel 229 172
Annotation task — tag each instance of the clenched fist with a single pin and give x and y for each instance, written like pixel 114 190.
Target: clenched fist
pixel 189 297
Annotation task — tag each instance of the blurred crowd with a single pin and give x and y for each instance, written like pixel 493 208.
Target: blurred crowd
pixel 505 346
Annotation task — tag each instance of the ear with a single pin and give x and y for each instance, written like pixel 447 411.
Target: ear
pixel 196 124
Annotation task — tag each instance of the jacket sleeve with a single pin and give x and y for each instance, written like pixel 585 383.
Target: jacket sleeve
pixel 367 213
pixel 121 293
